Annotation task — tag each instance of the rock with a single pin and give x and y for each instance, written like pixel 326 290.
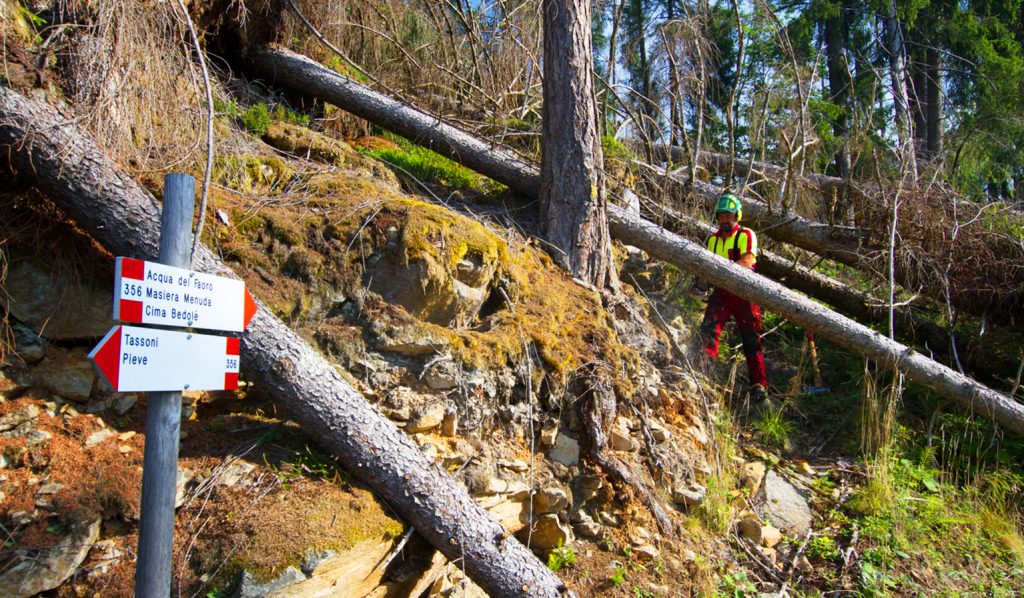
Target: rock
pixel 588 486
pixel 124 449
pixel 690 497
pixel 548 532
pixel 803 565
pixel 21 517
pixel 639 536
pixel 516 465
pixel 770 536
pixel 659 432
pixel 232 473
pixel 609 518
pixel 48 569
pixel 549 435
pixel 620 438
pixel 749 527
pixel 450 424
pixel 426 418
pixel 28 346
pixel 698 435
pixel 646 552
pixel 550 500
pixel 565 450
pixel 54 300
pixel 751 475
pixel 442 375
pixel 248 588
pixel 69 375
pixel 19 417
pixel 804 468
pixel 124 403
pixel 586 526
pixel 99 437
pixel 50 488
pixel 785 506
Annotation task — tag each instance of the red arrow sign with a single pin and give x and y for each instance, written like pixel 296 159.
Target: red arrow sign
pixel 148 359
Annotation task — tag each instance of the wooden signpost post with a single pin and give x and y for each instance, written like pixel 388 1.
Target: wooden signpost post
pixel 166 362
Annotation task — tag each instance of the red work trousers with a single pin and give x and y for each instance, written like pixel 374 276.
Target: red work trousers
pixel 721 306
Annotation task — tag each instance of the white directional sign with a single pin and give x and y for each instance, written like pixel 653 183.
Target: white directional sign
pixel 151 293
pixel 136 359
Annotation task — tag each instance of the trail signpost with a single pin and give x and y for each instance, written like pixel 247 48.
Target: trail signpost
pixel 152 293
pixel 165 362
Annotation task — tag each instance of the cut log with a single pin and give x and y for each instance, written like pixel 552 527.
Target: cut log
pixel 85 183
pixel 307 76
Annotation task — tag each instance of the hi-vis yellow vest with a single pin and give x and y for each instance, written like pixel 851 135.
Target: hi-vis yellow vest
pixel 732 247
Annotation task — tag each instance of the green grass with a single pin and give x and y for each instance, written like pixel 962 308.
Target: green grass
pixel 411 160
pixel 774 428
pixel 561 557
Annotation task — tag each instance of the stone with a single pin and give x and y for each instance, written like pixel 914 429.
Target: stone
pixel 124 449
pixel 124 403
pixel 548 435
pixel 550 500
pixel 659 432
pixel 751 475
pixel 442 375
pixel 548 532
pixel 639 536
pixel 56 302
pixel 786 506
pixel 646 552
pixel 180 484
pixel 50 488
pixel 126 436
pixel 620 438
pixel 770 536
pixel 585 526
pixel 750 528
pixel 609 518
pixel 232 473
pixel 565 450
pixel 19 417
pixel 690 496
pixel 516 465
pixel 68 374
pixel 804 468
pixel 47 570
pixel 99 437
pixel 28 346
pixel 21 517
pixel 698 435
pixel 248 588
pixel 450 424
pixel 426 418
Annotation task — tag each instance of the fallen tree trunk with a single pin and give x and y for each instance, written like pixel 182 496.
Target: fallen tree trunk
pixel 719 163
pixel 978 357
pixel 826 323
pixel 307 76
pixel 124 217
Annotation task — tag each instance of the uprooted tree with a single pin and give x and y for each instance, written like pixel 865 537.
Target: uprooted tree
pixel 307 76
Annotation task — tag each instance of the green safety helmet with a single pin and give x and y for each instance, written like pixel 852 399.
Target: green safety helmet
pixel 730 203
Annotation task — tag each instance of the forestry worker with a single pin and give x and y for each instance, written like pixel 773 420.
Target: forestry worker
pixel 736 243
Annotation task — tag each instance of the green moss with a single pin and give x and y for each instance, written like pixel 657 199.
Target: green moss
pixel 256 119
pixel 252 174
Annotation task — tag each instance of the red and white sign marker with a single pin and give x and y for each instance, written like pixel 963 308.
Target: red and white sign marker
pixel 136 359
pixel 151 293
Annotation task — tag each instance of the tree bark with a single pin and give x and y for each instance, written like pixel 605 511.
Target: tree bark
pixel 124 217
pixel 933 75
pixel 573 197
pixel 838 85
pixel 693 258
pixel 901 104
pixel 822 320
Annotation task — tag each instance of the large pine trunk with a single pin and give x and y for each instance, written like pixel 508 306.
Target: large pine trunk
pixel 825 322
pixel 117 212
pixel 310 77
pixel 573 199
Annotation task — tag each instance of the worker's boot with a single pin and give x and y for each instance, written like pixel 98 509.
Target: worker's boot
pixel 758 394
